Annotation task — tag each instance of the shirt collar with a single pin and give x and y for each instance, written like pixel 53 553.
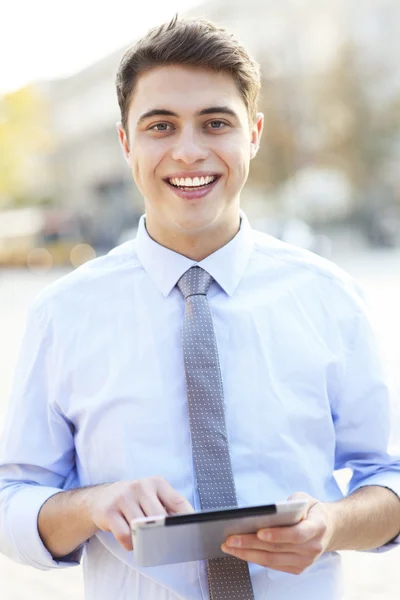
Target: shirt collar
pixel 226 265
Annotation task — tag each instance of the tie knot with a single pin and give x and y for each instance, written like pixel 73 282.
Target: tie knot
pixel 196 281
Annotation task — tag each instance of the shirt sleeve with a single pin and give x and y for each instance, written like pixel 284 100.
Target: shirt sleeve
pixel 365 414
pixel 37 457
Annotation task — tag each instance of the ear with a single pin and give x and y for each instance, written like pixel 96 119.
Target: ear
pixel 256 132
pixel 124 143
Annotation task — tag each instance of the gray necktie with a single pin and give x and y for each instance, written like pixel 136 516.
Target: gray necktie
pixel 228 578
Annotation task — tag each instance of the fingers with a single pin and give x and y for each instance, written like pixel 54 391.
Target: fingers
pixel 290 558
pixel 291 549
pixel 174 503
pixel 151 505
pixel 112 507
pixel 121 530
pixel 301 533
pixel 252 542
pixel 130 511
pixel 295 534
pixel 310 550
pixel 288 562
pixel 120 524
pixel 312 529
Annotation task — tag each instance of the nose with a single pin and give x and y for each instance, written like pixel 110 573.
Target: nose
pixel 188 148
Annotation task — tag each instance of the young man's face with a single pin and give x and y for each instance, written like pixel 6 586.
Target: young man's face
pixel 189 147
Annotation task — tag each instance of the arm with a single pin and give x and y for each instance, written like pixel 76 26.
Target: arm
pixel 369 517
pixel 43 522
pixel 364 419
pixel 68 519
pixel 64 522
pixel 37 458
pixel 364 520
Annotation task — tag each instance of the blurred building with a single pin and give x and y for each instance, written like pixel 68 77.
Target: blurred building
pixel 297 34
pixel 91 175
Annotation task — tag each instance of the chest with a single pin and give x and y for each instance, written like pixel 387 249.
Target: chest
pixel 127 390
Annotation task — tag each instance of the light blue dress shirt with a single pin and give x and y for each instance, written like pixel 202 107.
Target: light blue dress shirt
pixel 99 396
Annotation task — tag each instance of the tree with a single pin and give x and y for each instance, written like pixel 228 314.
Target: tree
pixel 277 156
pixel 25 144
pixel 361 123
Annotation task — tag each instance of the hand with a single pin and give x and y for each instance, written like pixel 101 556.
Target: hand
pixel 113 506
pixel 290 549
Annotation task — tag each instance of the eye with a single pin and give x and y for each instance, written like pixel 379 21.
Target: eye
pixel 160 127
pixel 217 124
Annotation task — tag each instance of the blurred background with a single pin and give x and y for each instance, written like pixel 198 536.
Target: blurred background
pixel 326 178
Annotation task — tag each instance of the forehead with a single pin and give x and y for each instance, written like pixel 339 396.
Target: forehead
pixel 184 90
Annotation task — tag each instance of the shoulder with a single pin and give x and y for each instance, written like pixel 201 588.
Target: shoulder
pixel 298 259
pixel 322 275
pixel 94 280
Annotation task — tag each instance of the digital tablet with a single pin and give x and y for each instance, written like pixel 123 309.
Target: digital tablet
pixel 164 540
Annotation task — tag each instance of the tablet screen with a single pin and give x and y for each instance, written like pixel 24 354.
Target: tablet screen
pixel 219 514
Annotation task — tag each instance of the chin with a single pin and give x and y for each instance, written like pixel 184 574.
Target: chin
pixel 195 225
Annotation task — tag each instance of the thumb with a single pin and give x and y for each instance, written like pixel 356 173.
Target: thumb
pixel 300 496
pixel 303 496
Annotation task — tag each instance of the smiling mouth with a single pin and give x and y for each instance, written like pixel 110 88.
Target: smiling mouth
pixel 188 184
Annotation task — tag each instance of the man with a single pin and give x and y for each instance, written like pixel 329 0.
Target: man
pixel 109 398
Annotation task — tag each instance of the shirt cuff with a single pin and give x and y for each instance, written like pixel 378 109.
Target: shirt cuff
pixel 382 481
pixel 23 531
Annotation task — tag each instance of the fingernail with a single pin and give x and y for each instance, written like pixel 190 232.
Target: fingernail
pixel 265 536
pixel 225 549
pixel 233 541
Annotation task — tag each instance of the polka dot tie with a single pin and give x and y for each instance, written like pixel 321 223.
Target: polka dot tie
pixel 229 577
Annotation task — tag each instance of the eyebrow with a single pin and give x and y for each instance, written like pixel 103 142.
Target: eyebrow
pixel 223 110
pixel 212 110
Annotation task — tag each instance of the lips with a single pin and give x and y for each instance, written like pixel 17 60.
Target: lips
pixel 191 182
pixel 192 187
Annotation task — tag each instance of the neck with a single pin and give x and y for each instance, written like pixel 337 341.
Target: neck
pixel 196 246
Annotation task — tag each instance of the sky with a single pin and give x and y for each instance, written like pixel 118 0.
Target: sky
pixel 49 39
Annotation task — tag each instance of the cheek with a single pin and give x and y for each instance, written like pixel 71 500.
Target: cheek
pixel 238 161
pixel 235 152
pixel 143 165
pixel 136 170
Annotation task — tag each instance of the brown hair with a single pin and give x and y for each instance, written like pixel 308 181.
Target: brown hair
pixel 196 43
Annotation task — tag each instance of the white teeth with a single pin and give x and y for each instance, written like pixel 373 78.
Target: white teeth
pixel 189 182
